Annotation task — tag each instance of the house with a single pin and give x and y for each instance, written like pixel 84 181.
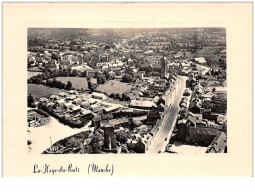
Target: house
pixel 185 101
pixel 202 135
pixel 142 104
pixel 85 104
pixel 75 109
pixel 68 105
pixel 131 144
pixel 71 97
pixel 219 144
pixel 153 115
pixel 50 66
pixel 77 101
pixel 187 92
pixel 54 97
pixel 198 89
pixel 78 68
pixel 196 106
pixel 200 60
pixel 61 102
pixel 85 112
pixel 115 123
pixel 182 129
pixel 43 100
pixel 91 73
pixel 100 96
pixel 62 94
pixel 140 144
pixel 36 118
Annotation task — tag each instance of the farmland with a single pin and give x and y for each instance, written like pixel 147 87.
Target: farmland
pixel 114 86
pixel 77 82
pixel 117 87
pixel 207 52
pixel 32 73
pixel 38 91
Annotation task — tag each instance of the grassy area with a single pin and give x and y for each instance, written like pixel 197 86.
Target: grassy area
pixel 207 52
pixel 77 82
pixel 38 91
pixel 31 74
pixel 114 86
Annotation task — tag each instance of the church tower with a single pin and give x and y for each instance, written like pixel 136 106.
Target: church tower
pixel 164 68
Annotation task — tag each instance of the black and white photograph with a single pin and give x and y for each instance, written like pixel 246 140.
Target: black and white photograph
pixel 126 90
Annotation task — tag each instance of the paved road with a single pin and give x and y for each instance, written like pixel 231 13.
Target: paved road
pixel 169 120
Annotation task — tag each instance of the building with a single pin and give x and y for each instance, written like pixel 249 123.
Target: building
pixel 219 144
pixel 196 106
pixel 202 135
pixel 142 104
pixel 109 139
pixel 153 115
pixel 164 66
pixel 115 123
pixel 100 96
pixel 91 73
pixel 37 118
pixel 200 60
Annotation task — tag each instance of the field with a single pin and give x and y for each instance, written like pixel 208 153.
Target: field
pixel 207 52
pixel 32 73
pixel 114 86
pixel 77 82
pixel 38 91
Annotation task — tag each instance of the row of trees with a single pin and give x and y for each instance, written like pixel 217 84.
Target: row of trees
pixel 104 77
pixel 45 79
pixel 48 74
pixel 101 79
pixel 121 97
pixel 58 84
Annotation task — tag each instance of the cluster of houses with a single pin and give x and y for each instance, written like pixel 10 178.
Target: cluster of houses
pixel 197 123
pixel 77 107
pixel 36 118
pixel 140 121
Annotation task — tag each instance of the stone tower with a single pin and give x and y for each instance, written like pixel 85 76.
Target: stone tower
pixel 164 68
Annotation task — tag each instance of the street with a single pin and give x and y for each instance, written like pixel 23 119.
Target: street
pixel 169 120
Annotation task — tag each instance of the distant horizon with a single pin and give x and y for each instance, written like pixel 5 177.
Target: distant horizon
pixel 102 30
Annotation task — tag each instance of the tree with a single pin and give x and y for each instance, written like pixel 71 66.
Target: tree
pixel 74 73
pixel 111 95
pixel 108 75
pixel 117 96
pixel 55 56
pixel 30 101
pixel 95 143
pixel 121 138
pixel 91 86
pixel 127 78
pixel 68 85
pixel 101 79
